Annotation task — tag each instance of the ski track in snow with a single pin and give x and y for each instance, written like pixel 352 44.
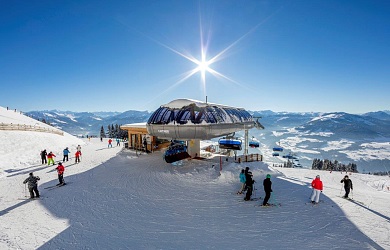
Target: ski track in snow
pixel 140 202
pixel 196 208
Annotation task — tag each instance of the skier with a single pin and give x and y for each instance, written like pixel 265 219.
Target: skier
pixel 32 185
pixel 50 158
pixel 78 148
pixel 66 153
pixel 109 143
pixel 248 184
pixel 242 180
pixel 145 145
pixel 317 190
pixel 60 170
pixel 118 142
pixel 267 183
pixel 43 156
pixel 77 156
pixel 347 185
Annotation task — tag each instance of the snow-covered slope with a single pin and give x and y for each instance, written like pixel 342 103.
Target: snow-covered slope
pixel 22 148
pixel 118 199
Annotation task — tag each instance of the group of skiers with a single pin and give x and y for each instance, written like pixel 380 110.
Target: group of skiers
pixel 32 180
pixel 110 142
pixel 247 184
pixel 50 156
pixel 318 187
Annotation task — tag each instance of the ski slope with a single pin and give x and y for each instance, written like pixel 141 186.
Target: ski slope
pixel 117 199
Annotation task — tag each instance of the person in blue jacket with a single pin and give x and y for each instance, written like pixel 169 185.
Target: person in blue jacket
pixel 66 154
pixel 242 180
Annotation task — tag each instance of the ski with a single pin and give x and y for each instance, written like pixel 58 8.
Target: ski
pixel 30 199
pixel 56 186
pixel 352 200
pixel 253 199
pixel 270 205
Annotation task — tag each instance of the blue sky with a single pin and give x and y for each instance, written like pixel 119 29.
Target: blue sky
pixel 292 56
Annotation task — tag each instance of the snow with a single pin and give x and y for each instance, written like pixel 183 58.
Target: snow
pixel 326 117
pixel 120 199
pixel 370 151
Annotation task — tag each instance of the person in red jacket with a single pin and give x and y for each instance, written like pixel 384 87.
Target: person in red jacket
pixel 77 156
pixel 317 189
pixel 60 170
pixel 50 157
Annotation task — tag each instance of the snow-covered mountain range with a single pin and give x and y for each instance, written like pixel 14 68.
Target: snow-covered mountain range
pixel 362 139
pixel 87 123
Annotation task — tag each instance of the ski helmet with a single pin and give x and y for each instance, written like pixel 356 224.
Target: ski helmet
pixel 268 176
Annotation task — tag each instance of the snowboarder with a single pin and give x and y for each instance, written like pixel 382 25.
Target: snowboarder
pixel 77 156
pixel 248 184
pixel 317 190
pixel 347 185
pixel 60 170
pixel 242 180
pixel 109 143
pixel 66 153
pixel 267 183
pixel 50 158
pixel 43 156
pixel 32 185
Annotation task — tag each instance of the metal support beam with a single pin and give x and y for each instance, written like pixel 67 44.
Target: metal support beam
pixel 246 141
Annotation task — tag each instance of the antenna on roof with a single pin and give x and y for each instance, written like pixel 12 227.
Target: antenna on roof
pixel 206 98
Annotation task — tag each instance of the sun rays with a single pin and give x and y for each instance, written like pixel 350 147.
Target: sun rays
pixel 204 62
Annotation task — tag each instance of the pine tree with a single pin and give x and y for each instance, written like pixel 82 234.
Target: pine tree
pixel 109 131
pixel 116 131
pixel 112 131
pixel 102 133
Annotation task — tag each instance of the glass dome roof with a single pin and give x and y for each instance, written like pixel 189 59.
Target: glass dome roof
pixel 184 111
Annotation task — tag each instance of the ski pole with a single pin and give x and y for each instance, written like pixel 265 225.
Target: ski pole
pixel 25 189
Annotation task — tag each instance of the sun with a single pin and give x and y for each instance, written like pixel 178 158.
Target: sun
pixel 203 65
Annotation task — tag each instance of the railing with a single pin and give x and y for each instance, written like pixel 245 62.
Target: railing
pixel 24 127
pixel 250 158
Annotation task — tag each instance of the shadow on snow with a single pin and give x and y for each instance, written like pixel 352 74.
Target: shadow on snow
pixel 132 203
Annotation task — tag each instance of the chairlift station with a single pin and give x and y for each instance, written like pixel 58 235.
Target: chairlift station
pixel 192 121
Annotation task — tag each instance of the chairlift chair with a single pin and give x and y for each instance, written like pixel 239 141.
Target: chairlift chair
pixel 230 143
pixel 176 152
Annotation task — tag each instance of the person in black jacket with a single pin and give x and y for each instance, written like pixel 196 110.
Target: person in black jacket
pixel 32 185
pixel 347 185
pixel 43 156
pixel 267 183
pixel 248 184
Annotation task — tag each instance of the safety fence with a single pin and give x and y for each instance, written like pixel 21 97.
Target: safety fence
pixel 250 158
pixel 24 127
